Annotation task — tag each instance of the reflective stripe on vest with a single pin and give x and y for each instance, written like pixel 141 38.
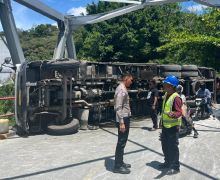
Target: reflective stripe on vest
pixel 169 122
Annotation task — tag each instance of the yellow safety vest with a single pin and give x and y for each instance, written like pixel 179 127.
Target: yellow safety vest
pixel 169 122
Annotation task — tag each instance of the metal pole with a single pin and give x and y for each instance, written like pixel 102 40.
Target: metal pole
pixel 62 38
pixel 10 31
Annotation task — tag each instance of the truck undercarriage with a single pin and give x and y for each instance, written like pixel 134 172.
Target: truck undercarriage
pixel 56 93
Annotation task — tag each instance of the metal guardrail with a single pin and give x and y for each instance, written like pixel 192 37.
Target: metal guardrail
pixel 7 115
pixel 4 99
pixel 7 98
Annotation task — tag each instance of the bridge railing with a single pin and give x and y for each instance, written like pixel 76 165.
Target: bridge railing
pixel 5 99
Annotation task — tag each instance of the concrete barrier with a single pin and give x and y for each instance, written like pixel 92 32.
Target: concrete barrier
pixel 4 128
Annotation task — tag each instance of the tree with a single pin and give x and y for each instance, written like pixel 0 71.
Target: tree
pixel 39 42
pixel 198 42
pixel 131 38
pixel 6 106
pixel 185 48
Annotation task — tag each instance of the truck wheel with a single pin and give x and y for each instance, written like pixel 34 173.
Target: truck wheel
pixel 189 68
pixel 67 129
pixel 204 71
pixel 170 67
pixel 177 74
pixel 195 86
pixel 189 74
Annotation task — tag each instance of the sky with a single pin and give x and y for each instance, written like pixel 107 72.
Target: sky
pixel 26 19
pixel 4 53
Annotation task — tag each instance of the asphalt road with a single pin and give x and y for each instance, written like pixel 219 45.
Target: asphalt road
pixel 90 155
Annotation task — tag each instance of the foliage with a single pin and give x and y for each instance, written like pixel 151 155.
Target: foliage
pixel 132 38
pixel 39 42
pixel 6 106
pixel 191 49
pixel 196 43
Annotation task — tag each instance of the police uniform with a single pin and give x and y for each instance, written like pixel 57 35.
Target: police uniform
pixel 123 112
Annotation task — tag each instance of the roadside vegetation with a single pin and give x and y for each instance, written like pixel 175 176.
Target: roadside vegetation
pixel 7 107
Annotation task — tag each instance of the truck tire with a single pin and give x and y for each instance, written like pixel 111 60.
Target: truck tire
pixel 195 86
pixel 211 74
pixel 204 71
pixel 170 67
pixel 189 74
pixel 189 68
pixel 67 129
pixel 174 73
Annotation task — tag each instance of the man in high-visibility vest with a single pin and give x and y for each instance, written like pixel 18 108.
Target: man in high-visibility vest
pixel 171 121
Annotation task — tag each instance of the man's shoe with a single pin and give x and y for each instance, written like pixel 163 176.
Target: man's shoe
pixel 121 170
pixel 173 171
pixel 163 166
pixel 212 117
pixel 153 129
pixel 125 165
pixel 195 135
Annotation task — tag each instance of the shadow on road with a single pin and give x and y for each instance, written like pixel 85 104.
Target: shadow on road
pixel 207 126
pixel 208 130
pixel 155 164
pixel 146 128
pixel 109 164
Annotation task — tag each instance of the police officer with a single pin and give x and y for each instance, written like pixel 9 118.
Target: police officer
pixel 171 121
pixel 123 113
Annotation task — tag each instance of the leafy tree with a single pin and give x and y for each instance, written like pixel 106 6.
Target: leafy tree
pixel 131 38
pixel 6 106
pixel 39 42
pixel 43 30
pixel 198 41
pixel 185 48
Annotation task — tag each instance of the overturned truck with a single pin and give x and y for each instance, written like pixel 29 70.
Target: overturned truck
pixel 61 96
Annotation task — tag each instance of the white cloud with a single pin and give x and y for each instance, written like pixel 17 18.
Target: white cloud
pixel 196 8
pixel 77 11
pixel 54 24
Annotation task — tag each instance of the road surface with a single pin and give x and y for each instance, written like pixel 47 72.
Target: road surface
pixel 90 155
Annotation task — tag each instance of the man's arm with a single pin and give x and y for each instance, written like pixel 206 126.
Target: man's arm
pixel 119 100
pixel 209 95
pixel 177 108
pixel 119 106
pixel 156 94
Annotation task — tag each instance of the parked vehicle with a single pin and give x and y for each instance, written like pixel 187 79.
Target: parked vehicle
pixel 187 126
pixel 200 110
